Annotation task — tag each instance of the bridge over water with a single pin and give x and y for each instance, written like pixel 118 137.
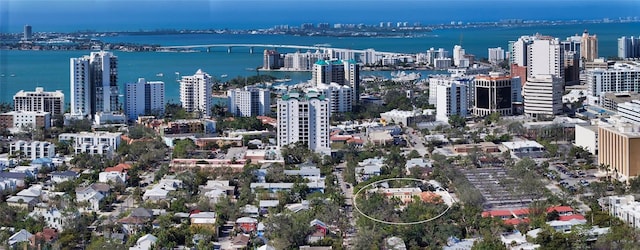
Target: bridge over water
pixel 251 47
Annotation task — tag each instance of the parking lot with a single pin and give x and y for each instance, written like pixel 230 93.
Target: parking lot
pixel 569 179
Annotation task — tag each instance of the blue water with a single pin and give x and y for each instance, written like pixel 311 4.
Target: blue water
pixel 50 69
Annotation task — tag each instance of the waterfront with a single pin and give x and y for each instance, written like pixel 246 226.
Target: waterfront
pixel 50 69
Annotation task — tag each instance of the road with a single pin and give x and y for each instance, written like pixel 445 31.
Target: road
pixel 415 139
pixel 347 191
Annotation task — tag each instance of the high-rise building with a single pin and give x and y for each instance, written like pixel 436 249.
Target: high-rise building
pixel 305 119
pixel 437 80
pixel 518 59
pixel 272 60
pixel 542 96
pixel 545 57
pixel 452 100
pixel 629 47
pixel 39 101
pixel 340 97
pixel 492 94
pixel 94 84
pixel 196 93
pixel 589 47
pixel 249 101
pixel 342 72
pixel 144 98
pixel 28 33
pixel 459 59
pixel 496 55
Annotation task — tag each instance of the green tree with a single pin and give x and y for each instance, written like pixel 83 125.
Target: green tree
pixel 457 121
pixel 183 147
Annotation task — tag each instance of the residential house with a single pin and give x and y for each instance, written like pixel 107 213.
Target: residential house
pixel 29 171
pixel 22 202
pixel 405 195
pixel 7 185
pixel 92 195
pixel 54 218
pixel 145 242
pixel 136 220
pixel 417 162
pixel 19 178
pixel 297 207
pixel 204 219
pixel 264 205
pixel 314 186
pixel 321 230
pixel 21 236
pixel 250 210
pixel 216 189
pixel 247 224
pixel 155 194
pixel 240 241
pixel 116 174
pixel 369 168
pixel 113 177
pixel 47 236
pixel 62 176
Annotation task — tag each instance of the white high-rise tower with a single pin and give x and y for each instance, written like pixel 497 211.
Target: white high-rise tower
pixel 195 93
pixel 94 84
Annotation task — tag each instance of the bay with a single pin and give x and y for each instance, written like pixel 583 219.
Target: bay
pixel 50 69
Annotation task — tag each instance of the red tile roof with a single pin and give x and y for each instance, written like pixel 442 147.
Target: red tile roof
pixel 516 221
pixel 122 167
pixel 571 217
pixel 560 209
pixel 497 213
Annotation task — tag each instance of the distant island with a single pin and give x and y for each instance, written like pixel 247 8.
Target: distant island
pixel 91 39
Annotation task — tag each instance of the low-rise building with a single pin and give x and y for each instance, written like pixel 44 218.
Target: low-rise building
pixel 103 143
pixel 62 176
pixel 33 150
pixel 624 208
pixel 586 136
pixel 19 121
pixel 618 144
pixel 92 195
pixel 407 118
pixel 55 218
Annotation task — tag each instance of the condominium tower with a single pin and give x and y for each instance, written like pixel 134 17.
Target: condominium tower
pixel 249 101
pixel 304 118
pixel 195 93
pixel 144 98
pixel 589 47
pixel 39 101
pixel 94 84
pixel 342 72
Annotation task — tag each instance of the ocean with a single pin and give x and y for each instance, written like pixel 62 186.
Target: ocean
pixel 50 69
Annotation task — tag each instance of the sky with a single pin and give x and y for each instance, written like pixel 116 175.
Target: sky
pixel 119 15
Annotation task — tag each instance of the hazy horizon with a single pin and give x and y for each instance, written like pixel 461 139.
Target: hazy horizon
pixel 119 15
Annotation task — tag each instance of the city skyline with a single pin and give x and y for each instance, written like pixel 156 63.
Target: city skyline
pixel 73 15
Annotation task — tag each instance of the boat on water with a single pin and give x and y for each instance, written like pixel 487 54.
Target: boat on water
pixel 283 80
pixel 2 75
pixel 224 76
pixel 13 75
pixel 160 74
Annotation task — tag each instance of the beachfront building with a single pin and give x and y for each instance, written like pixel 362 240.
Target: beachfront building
pixel 94 84
pixel 493 95
pixel 304 118
pixel 302 61
pixel 342 72
pixel 542 96
pixel 195 93
pixel 496 55
pixel 249 101
pixel 39 101
pixel 144 98
pixel 459 59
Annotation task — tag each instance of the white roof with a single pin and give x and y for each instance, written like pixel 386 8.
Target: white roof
pixel 522 144
pixel 269 203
